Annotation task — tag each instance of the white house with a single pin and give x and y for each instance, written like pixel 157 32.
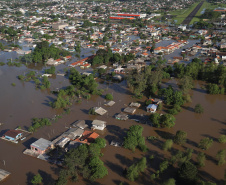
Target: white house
pixel 98 124
pixel 152 108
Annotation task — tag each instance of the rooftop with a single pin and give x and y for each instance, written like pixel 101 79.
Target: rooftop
pixel 42 144
pixel 12 133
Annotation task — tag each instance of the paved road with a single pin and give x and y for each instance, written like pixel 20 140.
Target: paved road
pixel 188 19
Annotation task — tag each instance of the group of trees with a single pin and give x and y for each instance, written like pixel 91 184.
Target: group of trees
pixel 106 56
pixel 52 70
pixel 109 96
pixel 42 83
pixel 84 160
pixel 180 138
pixel 10 32
pixel 38 123
pixel 213 74
pixel 210 14
pixel 132 173
pixel 42 52
pixel 148 80
pixel 205 143
pixel 134 138
pixel 165 120
pixel 62 100
pixel 82 82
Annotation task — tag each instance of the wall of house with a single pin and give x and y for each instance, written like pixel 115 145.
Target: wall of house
pixel 37 150
pixel 10 138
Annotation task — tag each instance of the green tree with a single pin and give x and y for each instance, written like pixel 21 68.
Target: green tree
pixel 186 84
pixel 221 157
pixel 101 142
pixel 198 108
pixel 167 120
pixel 170 181
pixel 51 70
pixel 222 139
pixel 163 166
pixel 205 143
pixel 187 171
pixel 135 169
pixel 134 138
pixel 180 137
pixel 62 179
pixel 155 119
pixel 213 89
pixel 132 173
pixel 109 96
pixel 37 179
pixel 167 145
pixel 201 158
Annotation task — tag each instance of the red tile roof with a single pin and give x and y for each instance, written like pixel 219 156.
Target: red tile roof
pixel 12 133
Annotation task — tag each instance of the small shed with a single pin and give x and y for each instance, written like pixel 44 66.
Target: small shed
pixel 3 174
pixel 130 110
pixel 110 103
pixel 13 135
pixel 41 145
pixel 98 124
pixel 100 110
pixel 80 124
pixel 133 104
pixel 152 108
pixel 122 116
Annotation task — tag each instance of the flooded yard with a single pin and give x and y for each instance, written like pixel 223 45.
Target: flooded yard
pixel 21 103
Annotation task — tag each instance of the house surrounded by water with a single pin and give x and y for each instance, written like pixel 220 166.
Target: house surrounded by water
pixel 41 146
pixel 13 135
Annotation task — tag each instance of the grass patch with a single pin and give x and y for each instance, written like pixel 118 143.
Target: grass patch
pixel 206 5
pixel 182 14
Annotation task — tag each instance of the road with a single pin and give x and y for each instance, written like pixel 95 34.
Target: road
pixel 188 19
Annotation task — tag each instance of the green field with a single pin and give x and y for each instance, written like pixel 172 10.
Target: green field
pixel 182 14
pixel 206 5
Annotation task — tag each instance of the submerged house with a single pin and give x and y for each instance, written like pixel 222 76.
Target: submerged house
pixel 80 124
pixel 122 116
pixel 13 135
pixel 98 124
pixel 41 146
pixel 3 174
pixel 152 108
pixel 100 110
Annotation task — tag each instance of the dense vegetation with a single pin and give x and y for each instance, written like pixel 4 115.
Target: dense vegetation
pixel 83 83
pixel 84 160
pixel 38 123
pixel 134 138
pixel 44 51
pixel 134 170
pixel 106 56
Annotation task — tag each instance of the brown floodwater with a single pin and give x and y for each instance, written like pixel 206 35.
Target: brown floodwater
pixel 21 103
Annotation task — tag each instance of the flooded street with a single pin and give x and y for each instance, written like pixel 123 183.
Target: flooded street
pixel 21 103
